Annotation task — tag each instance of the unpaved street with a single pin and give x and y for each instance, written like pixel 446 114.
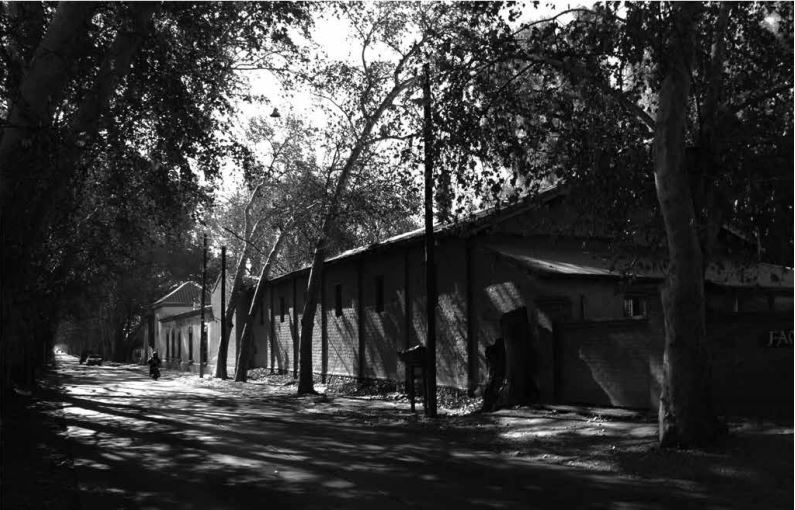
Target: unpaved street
pixel 184 443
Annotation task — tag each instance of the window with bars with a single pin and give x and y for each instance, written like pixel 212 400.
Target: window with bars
pixel 634 306
pixel 338 300
pixel 379 293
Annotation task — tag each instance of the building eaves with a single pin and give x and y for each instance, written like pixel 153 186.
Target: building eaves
pixel 185 294
pixel 593 265
pixel 468 226
pixel 208 311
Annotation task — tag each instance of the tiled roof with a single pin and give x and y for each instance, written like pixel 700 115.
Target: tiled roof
pixel 185 294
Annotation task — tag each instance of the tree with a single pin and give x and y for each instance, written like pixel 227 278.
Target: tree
pixel 288 159
pixel 598 104
pixel 371 92
pixel 79 100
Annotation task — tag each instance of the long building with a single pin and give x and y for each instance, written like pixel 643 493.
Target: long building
pixel 597 318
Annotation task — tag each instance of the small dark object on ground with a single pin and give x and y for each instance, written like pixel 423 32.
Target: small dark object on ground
pixel 416 359
pixel 93 359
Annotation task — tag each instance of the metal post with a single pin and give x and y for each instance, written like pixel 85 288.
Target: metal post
pixel 221 370
pixel 204 286
pixel 430 258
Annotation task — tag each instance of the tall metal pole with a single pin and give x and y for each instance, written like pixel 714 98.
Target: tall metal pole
pixel 430 258
pixel 204 286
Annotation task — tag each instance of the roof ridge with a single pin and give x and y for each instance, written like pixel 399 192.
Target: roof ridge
pixel 176 289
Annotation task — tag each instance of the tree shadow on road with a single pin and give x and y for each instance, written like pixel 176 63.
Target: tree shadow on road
pixel 141 444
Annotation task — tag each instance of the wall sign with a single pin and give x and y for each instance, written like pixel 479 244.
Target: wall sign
pixel 777 338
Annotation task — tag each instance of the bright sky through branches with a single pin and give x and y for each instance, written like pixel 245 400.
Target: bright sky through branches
pixel 334 39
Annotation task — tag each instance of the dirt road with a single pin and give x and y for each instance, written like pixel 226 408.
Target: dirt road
pixel 183 443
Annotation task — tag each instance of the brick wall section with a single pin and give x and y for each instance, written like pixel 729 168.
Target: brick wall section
pixel 605 363
pixel 750 378
pixel 384 330
pixel 260 336
pixel 283 349
pixel 317 331
pixel 418 325
pixel 451 316
pixel 343 331
pixel 501 286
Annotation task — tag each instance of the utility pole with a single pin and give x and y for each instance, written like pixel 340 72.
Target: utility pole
pixel 220 370
pixel 430 258
pixel 204 285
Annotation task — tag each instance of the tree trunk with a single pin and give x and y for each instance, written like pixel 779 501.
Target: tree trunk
pixel 250 229
pixel 28 21
pixel 247 336
pixel 44 83
pixel 686 415
pixel 32 106
pixel 495 360
pixel 30 188
pixel 305 383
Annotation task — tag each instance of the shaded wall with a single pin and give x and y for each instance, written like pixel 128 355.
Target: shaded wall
pixel 752 363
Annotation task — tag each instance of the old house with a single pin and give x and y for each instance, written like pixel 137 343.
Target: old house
pixel 598 317
pixel 174 327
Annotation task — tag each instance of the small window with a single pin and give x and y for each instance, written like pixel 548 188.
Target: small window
pixel 634 306
pixel 379 293
pixel 281 309
pixel 338 300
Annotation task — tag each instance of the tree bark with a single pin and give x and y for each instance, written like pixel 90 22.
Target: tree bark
pixel 247 336
pixel 44 84
pixel 686 414
pixel 250 229
pixel 30 188
pixel 27 18
pixel 495 361
pixel 305 383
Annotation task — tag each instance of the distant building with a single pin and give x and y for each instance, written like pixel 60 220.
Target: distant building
pixel 169 328
pixel 598 318
pixel 174 327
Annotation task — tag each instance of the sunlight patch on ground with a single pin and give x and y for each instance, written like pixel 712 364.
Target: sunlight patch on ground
pixel 234 460
pixel 283 456
pixel 339 484
pixel 529 433
pixel 77 431
pixel 92 464
pixel 112 456
pixel 296 475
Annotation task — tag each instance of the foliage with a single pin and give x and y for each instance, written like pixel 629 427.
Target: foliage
pixel 569 100
pixel 112 154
